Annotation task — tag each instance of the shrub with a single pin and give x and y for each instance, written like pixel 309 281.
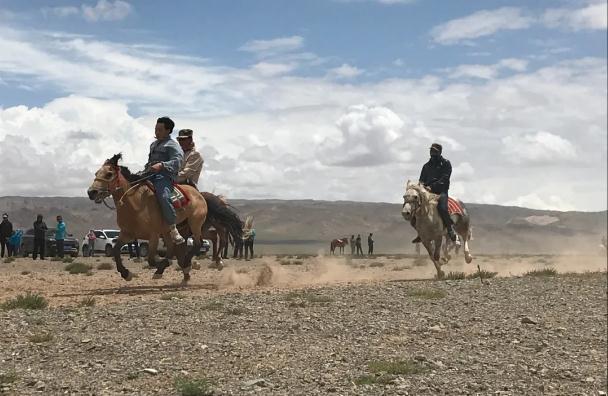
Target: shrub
pixel 193 386
pixel 77 268
pixel 542 272
pixel 26 301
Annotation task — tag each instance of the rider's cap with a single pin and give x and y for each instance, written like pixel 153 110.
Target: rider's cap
pixel 437 147
pixel 184 134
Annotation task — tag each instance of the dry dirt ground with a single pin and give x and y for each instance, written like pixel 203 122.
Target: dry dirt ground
pixel 308 326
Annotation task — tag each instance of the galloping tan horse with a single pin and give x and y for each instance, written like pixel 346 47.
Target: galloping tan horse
pixel 420 203
pixel 340 243
pixel 139 217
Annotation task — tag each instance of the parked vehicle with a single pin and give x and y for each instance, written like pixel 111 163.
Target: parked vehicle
pixel 70 244
pixel 106 240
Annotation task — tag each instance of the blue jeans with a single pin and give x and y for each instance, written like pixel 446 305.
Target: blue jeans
pixel 164 186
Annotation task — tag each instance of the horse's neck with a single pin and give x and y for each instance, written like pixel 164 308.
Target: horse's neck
pixel 428 209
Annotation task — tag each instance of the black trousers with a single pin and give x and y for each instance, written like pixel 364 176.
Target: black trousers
pixel 59 247
pixel 4 245
pixel 359 250
pixel 38 248
pixel 442 207
pixel 370 249
pixel 248 249
pixel 238 249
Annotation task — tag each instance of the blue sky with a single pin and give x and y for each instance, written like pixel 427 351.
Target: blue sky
pixel 287 92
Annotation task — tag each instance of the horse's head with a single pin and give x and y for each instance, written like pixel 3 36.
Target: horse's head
pixel 106 180
pixel 411 200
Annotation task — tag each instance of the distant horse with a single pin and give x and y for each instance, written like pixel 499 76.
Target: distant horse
pixel 139 217
pixel 338 243
pixel 420 203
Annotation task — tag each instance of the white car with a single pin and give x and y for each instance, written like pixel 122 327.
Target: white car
pixel 106 239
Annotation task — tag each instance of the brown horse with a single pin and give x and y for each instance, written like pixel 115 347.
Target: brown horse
pixel 338 243
pixel 139 217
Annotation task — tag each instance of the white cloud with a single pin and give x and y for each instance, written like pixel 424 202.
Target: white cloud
pixel 345 71
pixel 274 46
pixel 541 147
pixel 488 72
pixel 272 69
pixel 463 171
pixel 107 10
pixel 104 10
pixel 479 24
pixel 593 16
pixel 369 136
pixel 535 201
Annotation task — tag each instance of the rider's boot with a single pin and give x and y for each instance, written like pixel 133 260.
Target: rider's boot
pixel 452 233
pixel 175 235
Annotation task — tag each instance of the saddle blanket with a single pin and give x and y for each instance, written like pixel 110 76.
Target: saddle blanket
pixel 454 207
pixel 179 198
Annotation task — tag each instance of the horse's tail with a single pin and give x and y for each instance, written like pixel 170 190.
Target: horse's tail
pixel 220 213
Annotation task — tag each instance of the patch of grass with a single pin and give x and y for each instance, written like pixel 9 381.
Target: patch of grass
pixel 105 266
pixel 586 274
pixel 193 386
pixel 397 367
pixel 9 260
pixel 454 275
pixel 77 268
pixel 8 377
pixel 25 272
pixel 373 379
pixel 542 272
pixel 88 301
pixel 400 268
pixel 427 293
pixel 213 306
pixel 172 296
pixel 25 301
pixel 484 274
pixel 56 259
pixel 132 375
pixel 40 338
pixel 376 264
pixel 67 260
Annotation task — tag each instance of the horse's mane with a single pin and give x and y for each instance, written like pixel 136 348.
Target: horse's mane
pixel 426 196
pixel 131 177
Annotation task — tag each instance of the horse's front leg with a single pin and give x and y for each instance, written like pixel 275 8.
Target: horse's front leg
pixel 120 242
pixel 432 247
pixel 165 261
pixel 467 253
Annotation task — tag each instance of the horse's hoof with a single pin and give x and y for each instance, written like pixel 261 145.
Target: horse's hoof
pixel 468 259
pixel 186 279
pixel 129 277
pixel 157 276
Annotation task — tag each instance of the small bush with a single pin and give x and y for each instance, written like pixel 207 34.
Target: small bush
pixel 399 367
pixel 40 338
pixel 542 272
pixel 77 268
pixel 428 294
pixel 298 262
pixel 67 260
pixel 454 275
pixel 25 272
pixel 484 274
pixel 56 259
pixel 401 268
pixel 88 301
pixel 193 386
pixel 105 266
pixel 376 264
pixel 8 377
pixel 25 301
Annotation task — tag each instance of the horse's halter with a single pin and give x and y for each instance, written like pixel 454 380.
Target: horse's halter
pixel 112 183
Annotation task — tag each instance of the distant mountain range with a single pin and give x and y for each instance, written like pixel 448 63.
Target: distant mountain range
pixel 307 226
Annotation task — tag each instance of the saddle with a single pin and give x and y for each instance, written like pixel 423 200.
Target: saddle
pixel 454 207
pixel 179 198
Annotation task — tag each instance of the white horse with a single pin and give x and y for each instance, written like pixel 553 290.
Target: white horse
pixel 420 203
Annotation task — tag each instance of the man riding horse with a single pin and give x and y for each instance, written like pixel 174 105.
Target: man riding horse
pixel 435 176
pixel 165 160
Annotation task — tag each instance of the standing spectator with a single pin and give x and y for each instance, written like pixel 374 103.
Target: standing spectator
pixel 133 247
pixel 40 229
pixel 370 244
pixel 14 243
pixel 6 230
pixel 91 237
pixel 352 245
pixel 358 245
pixel 59 236
pixel 249 243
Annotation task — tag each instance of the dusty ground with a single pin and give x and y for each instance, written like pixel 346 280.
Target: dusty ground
pixel 303 326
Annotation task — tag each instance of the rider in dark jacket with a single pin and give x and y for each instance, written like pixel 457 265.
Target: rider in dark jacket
pixel 435 175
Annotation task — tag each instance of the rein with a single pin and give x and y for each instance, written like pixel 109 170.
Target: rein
pixel 113 186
